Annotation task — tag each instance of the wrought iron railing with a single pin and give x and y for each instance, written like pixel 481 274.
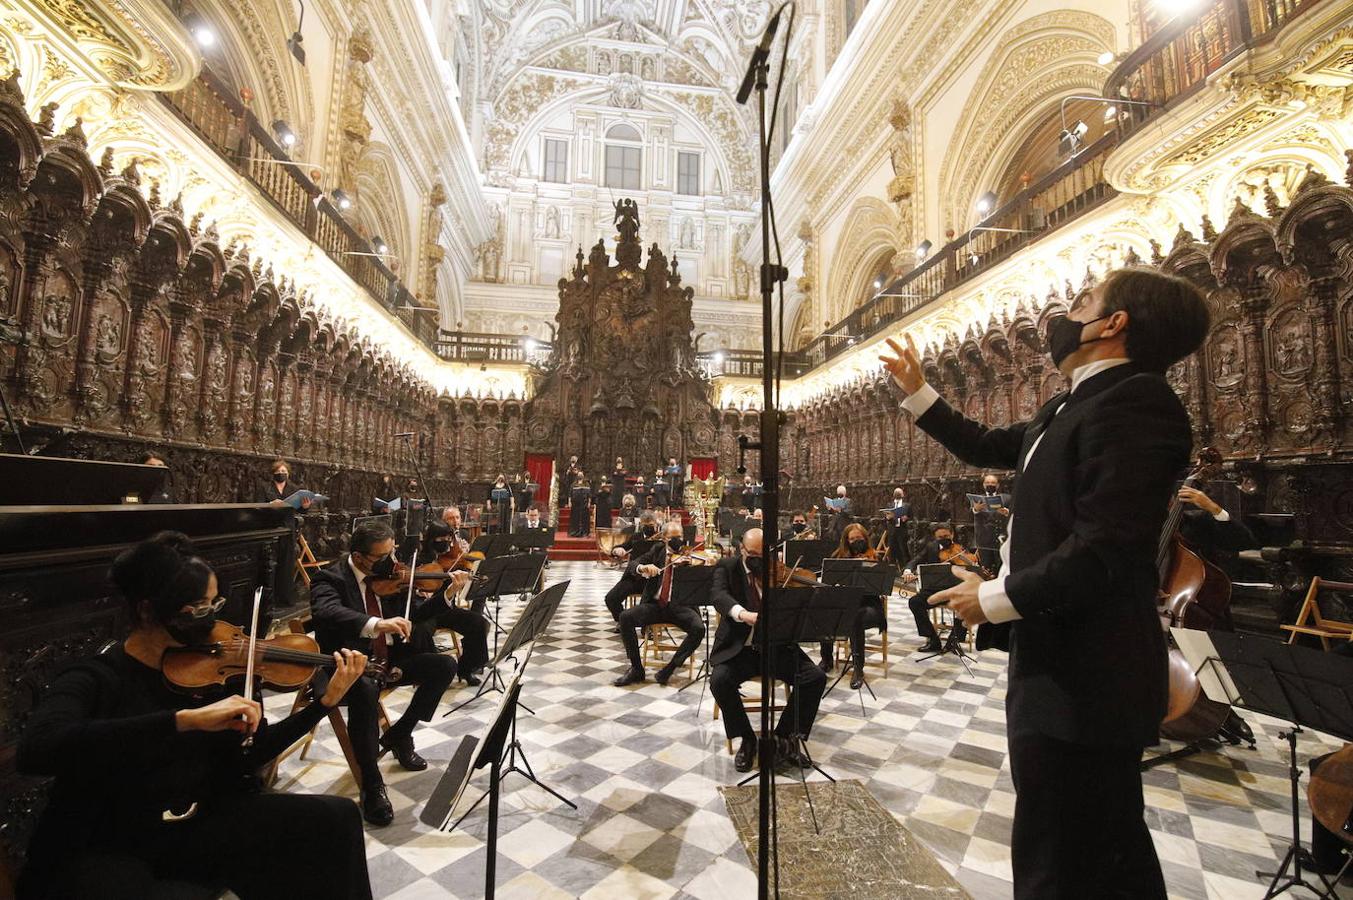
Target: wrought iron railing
pixel 1175 62
pixel 478 347
pixel 210 107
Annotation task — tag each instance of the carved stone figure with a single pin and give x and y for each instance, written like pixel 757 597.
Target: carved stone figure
pixel 1292 354
pixel 552 222
pixel 56 317
pixel 626 90
pixel 107 338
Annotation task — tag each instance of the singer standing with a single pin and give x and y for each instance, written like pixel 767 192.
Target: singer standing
pixel 1075 598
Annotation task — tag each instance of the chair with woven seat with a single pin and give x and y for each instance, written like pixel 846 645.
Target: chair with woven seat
pixel 658 639
pixel 1311 619
pixel 878 646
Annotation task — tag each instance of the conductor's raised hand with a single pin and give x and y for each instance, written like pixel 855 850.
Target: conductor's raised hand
pixel 904 365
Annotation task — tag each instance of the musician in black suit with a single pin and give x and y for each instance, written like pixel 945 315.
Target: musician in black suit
pixel 440 536
pixel 899 527
pixel 736 593
pixel 631 582
pixel 1076 594
pixel 989 522
pixel 655 608
pixel 662 491
pixel 942 539
pixel 346 613
pixel 1212 530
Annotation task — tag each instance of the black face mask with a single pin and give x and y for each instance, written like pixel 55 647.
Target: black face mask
pixel 189 629
pixel 648 531
pixel 384 567
pixel 675 544
pixel 858 546
pixel 1064 337
pixel 279 477
pixel 991 491
pixel 753 564
pixel 799 527
pixel 946 543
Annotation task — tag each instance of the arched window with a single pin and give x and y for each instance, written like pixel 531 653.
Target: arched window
pixel 624 158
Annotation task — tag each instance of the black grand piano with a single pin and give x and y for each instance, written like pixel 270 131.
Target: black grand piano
pixel 56 604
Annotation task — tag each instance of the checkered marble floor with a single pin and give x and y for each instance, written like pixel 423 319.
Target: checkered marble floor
pixel 643 764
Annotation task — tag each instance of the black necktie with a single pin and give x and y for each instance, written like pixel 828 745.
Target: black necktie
pixel 1039 425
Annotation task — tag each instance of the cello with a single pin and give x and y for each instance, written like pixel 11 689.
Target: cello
pixel 1194 593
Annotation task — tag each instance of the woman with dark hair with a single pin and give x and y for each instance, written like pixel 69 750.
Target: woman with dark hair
pixel 154 794
pixel 279 485
pixel 855 545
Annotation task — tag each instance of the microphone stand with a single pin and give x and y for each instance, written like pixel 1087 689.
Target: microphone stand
pixel 417 469
pixel 757 77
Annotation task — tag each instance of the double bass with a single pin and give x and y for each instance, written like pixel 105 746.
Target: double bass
pixel 1194 593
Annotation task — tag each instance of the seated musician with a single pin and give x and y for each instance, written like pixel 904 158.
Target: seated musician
pixel 154 793
pixel 630 582
pixel 469 623
pixel 347 613
pixel 655 608
pixel 629 507
pixel 855 545
pixel 919 603
pixel 736 593
pixel 279 485
pixel 155 459
pixel 1211 530
pixel 533 522
pixel 798 527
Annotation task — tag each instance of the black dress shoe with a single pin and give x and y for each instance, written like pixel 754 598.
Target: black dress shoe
pixel 472 679
pixel 787 752
pixel 632 676
pixel 615 629
pixel 746 755
pixel 827 664
pixel 402 748
pixel 376 808
pixel 932 645
pixel 664 674
pixel 856 680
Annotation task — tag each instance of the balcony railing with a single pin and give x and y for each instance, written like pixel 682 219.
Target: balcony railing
pixel 1175 62
pixel 477 347
pixel 210 107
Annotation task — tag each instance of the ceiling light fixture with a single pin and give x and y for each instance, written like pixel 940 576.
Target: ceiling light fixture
pixel 923 250
pixel 285 136
pixel 986 203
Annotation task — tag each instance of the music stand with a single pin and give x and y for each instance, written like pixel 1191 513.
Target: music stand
pixel 532 541
pixel 809 554
pixel 873 578
pixel 1297 684
pixel 690 587
pixel 688 534
pixel 726 519
pixel 808 615
pixel 517 574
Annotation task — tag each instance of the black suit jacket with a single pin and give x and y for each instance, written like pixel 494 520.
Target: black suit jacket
pixel 656 556
pixel 1088 656
pixel 728 590
pixel 338 610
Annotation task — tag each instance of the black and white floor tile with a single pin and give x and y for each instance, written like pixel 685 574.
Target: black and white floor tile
pixel 643 765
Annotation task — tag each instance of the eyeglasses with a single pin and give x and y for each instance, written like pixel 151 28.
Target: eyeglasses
pixel 207 607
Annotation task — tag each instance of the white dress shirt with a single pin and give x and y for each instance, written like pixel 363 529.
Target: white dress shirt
pixel 369 629
pixel 996 603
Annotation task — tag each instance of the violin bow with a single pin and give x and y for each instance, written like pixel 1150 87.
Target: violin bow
pixel 249 664
pixel 413 570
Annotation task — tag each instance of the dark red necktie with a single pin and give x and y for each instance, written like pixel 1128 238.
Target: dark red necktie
pixel 753 594
pixel 380 647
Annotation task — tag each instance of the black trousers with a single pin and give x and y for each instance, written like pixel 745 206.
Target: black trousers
pixel 806 684
pixel 919 605
pixel 432 672
pixel 232 843
pixel 473 629
pixel 1078 828
pixel 869 616
pixel 683 617
pixel 615 597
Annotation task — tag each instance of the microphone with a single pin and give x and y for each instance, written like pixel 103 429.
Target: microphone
pixel 404 434
pixel 760 54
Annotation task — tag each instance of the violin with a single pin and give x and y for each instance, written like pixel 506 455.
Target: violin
pixel 958 555
pixel 283 663
pixel 783 575
pixel 429 578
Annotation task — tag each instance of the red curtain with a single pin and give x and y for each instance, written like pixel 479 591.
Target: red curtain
pixel 541 467
pixel 704 467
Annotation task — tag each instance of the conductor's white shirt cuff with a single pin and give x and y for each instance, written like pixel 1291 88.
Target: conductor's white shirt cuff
pixel 736 612
pixel 996 605
pixel 1222 516
pixel 369 629
pixel 921 401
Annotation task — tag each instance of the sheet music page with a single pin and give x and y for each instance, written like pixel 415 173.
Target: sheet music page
pixel 1215 681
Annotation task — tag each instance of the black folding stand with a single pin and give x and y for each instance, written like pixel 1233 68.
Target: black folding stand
pixel 874 578
pixel 504 575
pixel 806 615
pixel 690 587
pixel 1297 684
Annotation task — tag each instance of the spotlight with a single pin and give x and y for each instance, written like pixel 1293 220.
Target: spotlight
pixel 1110 113
pixel 1072 138
pixel 1105 58
pixel 717 358
pixel 203 33
pixel 294 45
pixel 972 258
pixel 379 246
pixel 986 203
pixel 285 136
pixel 341 198
pixel 530 345
pixel 878 283
pixel 923 250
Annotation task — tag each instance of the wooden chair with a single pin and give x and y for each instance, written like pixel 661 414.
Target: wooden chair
pixel 304 697
pixel 658 639
pixel 305 559
pixel 752 704
pixel 943 620
pixel 879 646
pixel 1311 621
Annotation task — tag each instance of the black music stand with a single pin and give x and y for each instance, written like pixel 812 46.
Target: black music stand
pixel 475 753
pixel 873 578
pixel 808 554
pixel 517 574
pixel 726 519
pixel 532 541
pixel 1297 684
pixel 803 616
pixel 690 587
pixel 940 577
